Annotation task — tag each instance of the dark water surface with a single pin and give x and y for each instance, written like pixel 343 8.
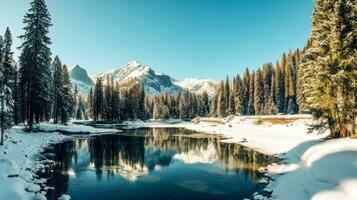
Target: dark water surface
pixel 156 163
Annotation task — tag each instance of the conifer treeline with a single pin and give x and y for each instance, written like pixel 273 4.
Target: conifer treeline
pixel 109 102
pixel 114 102
pixel 266 91
pixel 37 91
pixel 183 105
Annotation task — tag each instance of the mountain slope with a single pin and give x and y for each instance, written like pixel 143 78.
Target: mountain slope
pixel 198 86
pixel 155 83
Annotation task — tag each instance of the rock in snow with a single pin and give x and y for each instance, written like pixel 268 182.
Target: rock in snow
pixel 33 188
pixel 40 196
pixel 64 197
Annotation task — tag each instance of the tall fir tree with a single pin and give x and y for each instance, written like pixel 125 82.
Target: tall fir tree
pixel 68 101
pixel 246 92
pixel 57 89
pixel 258 93
pixel 251 110
pixel 221 103
pixel 238 93
pixel 6 101
pixel 329 68
pixel 35 62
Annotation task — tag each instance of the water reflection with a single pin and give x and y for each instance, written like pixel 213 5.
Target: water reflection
pixel 138 153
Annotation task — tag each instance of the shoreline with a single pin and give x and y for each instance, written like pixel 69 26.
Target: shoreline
pixel 306 158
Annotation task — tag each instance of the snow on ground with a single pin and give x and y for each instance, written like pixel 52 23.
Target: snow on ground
pixel 72 128
pixel 324 171
pixel 18 165
pixel 312 168
pixel 267 134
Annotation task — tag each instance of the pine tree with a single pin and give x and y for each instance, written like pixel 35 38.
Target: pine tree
pixel 279 88
pixel 57 89
pixel 6 104
pixel 98 100
pixel 221 103
pixel 226 95
pixel 6 101
pixel 10 69
pixel 205 104
pixel 35 62
pixel 66 96
pixel 330 65
pixel 300 96
pixel 238 93
pixel 89 104
pixel 258 93
pixel 214 105
pixel 291 109
pixel 251 110
pixel 247 92
pixel 231 101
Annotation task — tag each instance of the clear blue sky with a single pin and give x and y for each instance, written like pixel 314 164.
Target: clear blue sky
pixel 182 38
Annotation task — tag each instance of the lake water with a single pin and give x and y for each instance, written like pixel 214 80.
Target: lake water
pixel 155 163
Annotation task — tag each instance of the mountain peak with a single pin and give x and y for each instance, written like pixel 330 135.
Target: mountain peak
pixel 155 83
pixel 80 79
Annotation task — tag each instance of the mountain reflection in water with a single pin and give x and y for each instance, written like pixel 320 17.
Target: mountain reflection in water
pixel 136 154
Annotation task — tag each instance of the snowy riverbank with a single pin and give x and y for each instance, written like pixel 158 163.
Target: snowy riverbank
pixel 19 158
pixel 312 167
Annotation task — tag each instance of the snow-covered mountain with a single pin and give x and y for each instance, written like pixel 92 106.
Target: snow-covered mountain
pixel 155 83
pixel 199 86
pixel 79 77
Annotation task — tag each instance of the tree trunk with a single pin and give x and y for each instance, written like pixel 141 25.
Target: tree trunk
pixel 2 137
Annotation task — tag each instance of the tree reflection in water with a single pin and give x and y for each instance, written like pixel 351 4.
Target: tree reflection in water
pixel 136 153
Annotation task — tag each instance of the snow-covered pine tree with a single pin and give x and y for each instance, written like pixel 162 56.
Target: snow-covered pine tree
pixel 98 100
pixel 226 95
pixel 330 66
pixel 214 104
pixel 6 101
pixel 107 106
pixel 300 96
pixel 10 69
pixel 6 104
pixel 221 103
pixel 89 104
pixel 57 89
pixel 258 93
pixel 246 91
pixel 251 110
pixel 231 105
pixel 66 96
pixel 238 93
pixel 279 88
pixel 205 104
pixel 35 62
pixel 291 109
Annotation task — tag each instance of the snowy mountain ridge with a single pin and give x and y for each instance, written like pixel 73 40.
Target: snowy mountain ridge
pixel 155 83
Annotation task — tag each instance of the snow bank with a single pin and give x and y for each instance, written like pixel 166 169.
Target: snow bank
pixel 153 123
pixel 72 128
pixel 18 166
pixel 267 134
pixel 325 171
